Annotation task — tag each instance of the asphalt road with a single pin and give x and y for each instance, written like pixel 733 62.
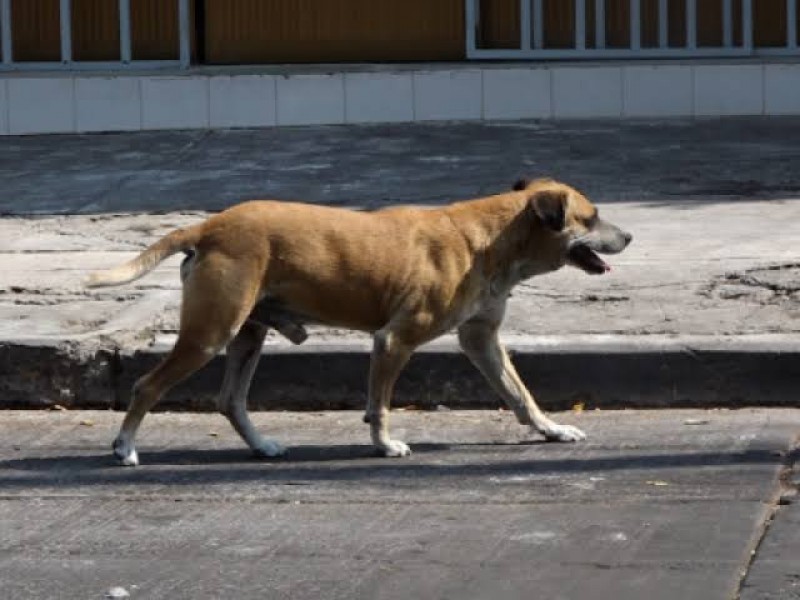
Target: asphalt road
pixel 378 165
pixel 666 504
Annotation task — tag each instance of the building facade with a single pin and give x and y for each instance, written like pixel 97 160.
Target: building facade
pixel 133 64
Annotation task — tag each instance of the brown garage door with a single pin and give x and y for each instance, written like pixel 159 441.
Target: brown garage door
pixel 258 31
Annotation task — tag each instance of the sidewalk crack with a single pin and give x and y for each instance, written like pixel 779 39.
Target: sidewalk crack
pixel 781 496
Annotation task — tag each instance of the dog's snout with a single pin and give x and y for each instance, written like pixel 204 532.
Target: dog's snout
pixel 628 237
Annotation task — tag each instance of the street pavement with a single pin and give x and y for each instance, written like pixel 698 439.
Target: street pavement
pixel 701 311
pixel 655 504
pixel 673 161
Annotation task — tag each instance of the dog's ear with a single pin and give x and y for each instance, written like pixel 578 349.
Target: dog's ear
pixel 550 207
pixel 520 184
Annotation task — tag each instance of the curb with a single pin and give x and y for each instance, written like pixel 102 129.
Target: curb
pixel 599 371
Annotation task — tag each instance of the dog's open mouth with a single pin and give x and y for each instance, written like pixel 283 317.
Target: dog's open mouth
pixel 585 258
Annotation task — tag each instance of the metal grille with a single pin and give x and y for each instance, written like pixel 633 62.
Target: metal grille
pixel 590 21
pixel 126 60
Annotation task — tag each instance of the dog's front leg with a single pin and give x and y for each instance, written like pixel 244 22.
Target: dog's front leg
pixel 389 356
pixel 481 344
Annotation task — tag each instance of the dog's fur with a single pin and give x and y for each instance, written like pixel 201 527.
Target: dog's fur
pixel 407 275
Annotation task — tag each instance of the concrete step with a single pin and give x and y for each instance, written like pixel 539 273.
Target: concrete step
pixel 591 371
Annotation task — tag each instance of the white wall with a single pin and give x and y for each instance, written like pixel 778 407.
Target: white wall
pixel 82 102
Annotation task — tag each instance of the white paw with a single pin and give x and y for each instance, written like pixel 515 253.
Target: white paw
pixel 563 433
pixel 396 448
pixel 127 457
pixel 269 449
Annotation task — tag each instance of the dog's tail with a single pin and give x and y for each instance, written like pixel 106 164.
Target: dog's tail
pixel 172 243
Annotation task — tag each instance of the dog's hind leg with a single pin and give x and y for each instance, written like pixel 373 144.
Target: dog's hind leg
pixel 481 344
pixel 389 356
pixel 184 359
pixel 243 354
pixel 216 302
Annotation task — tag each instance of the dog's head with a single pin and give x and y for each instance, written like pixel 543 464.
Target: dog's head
pixel 574 223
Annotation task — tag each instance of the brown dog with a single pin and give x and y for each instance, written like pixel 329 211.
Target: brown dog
pixel 407 275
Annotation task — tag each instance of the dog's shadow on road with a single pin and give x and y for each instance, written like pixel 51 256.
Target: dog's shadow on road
pixel 311 464
pixel 234 456
pixel 301 453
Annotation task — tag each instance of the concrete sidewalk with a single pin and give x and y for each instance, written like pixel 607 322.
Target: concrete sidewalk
pixel 701 310
pixel 655 504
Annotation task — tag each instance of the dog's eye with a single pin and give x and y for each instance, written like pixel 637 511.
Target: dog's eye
pixel 590 222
